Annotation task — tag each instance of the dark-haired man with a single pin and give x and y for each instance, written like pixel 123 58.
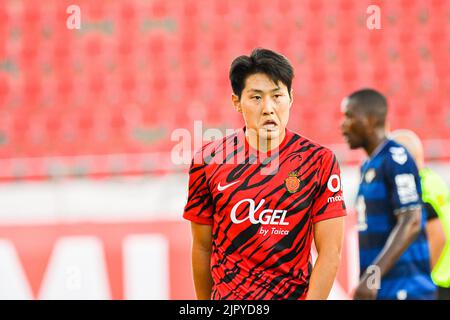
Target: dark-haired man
pixel 253 222
pixel 394 255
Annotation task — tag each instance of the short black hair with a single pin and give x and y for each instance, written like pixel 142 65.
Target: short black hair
pixel 371 103
pixel 274 65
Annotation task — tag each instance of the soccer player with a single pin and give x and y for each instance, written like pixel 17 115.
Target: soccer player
pixel 254 219
pixel 436 199
pixel 394 254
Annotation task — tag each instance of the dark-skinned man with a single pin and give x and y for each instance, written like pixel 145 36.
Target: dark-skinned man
pixel 394 254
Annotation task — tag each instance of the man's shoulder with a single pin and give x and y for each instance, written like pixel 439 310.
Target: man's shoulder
pixel 232 138
pixel 309 145
pixel 381 163
pixel 396 154
pixel 211 149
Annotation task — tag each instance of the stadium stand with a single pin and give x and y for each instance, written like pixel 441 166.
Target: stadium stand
pixel 136 70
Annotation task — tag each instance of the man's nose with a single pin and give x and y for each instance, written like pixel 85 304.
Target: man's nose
pixel 268 106
pixel 343 124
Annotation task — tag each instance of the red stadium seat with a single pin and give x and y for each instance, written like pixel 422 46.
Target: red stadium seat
pixel 80 89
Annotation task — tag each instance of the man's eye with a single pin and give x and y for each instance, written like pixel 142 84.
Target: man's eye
pixel 256 97
pixel 278 95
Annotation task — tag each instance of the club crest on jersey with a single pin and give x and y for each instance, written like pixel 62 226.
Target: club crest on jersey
pixel 292 182
pixel 370 175
pixel 399 155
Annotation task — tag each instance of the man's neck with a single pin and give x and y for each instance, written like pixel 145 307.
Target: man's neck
pixel 264 145
pixel 375 141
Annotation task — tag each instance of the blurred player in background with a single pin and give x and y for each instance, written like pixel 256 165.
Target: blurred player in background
pixel 392 240
pixel 436 198
pixel 253 230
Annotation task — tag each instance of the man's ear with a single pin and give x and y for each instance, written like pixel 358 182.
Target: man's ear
pixel 373 121
pixel 236 103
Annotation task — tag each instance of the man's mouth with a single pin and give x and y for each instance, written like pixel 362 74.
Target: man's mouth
pixel 347 138
pixel 269 125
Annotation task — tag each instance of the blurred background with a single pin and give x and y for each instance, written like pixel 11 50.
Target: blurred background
pixel 90 197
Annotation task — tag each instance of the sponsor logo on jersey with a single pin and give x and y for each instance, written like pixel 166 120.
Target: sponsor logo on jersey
pixel 360 207
pixel 257 216
pixel 335 199
pixel 441 199
pixel 221 188
pixel 334 185
pixel 406 188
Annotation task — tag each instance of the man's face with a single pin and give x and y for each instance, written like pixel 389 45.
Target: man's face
pixel 265 106
pixel 354 127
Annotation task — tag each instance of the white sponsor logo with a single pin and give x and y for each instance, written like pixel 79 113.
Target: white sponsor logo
pixel 334 183
pixel 267 216
pixel 406 188
pixel 360 207
pixel 221 188
pixel 335 199
pixel 399 155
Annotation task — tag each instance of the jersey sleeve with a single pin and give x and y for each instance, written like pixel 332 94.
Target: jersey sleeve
pixel 403 180
pixel 199 206
pixel 329 201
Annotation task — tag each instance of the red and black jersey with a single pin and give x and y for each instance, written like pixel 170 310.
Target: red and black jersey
pixel 262 208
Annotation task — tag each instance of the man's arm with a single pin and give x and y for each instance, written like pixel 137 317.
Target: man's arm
pixel 436 240
pixel 435 234
pixel 201 256
pixel 400 238
pixel 328 237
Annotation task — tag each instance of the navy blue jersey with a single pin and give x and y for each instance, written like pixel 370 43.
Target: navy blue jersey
pixel 390 184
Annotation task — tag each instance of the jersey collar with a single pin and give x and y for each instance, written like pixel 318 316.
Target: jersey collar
pixel 379 148
pixel 287 135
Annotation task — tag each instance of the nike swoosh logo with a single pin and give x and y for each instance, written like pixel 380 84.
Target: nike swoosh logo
pixel 221 188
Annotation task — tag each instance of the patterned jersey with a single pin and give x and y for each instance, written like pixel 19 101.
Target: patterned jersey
pixel 390 184
pixel 262 208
